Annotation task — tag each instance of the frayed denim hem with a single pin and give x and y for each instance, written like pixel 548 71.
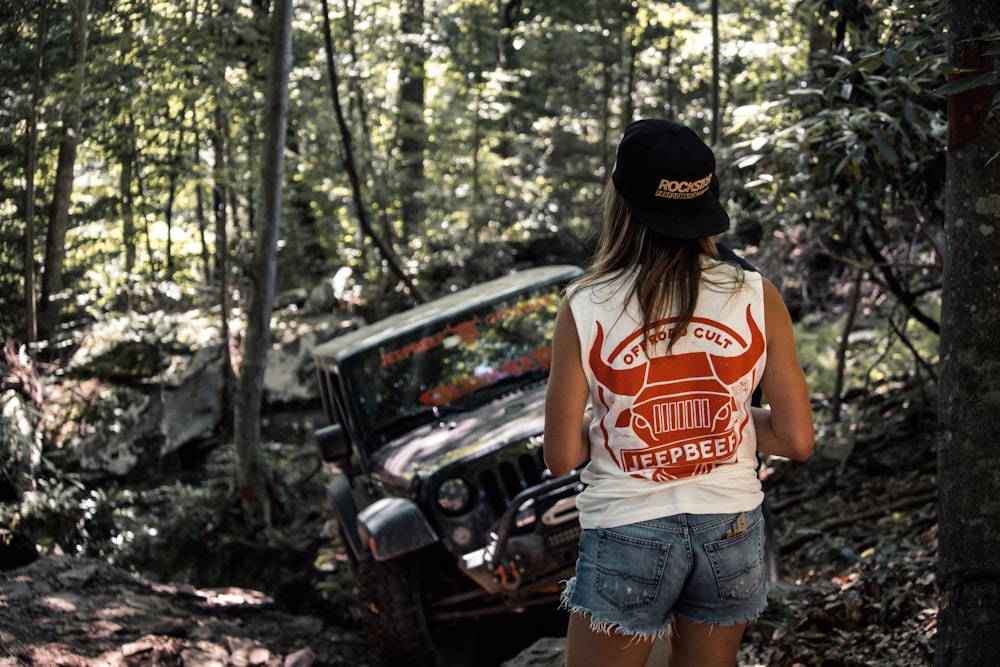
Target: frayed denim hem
pixel 605 627
pixel 608 627
pixel 744 620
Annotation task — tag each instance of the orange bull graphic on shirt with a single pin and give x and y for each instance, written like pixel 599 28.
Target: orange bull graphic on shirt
pixel 681 406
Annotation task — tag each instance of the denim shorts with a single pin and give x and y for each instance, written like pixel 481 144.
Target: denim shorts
pixel 632 579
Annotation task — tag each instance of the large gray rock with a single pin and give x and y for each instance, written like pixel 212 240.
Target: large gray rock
pixel 147 386
pixel 546 652
pixel 290 374
pixel 190 407
pixel 144 422
pixel 551 652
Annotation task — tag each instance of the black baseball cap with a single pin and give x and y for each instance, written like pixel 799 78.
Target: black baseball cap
pixel 666 175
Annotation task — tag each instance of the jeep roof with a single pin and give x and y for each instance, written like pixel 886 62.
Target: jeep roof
pixel 441 308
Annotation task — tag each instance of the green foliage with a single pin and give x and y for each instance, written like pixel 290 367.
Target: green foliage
pixel 20 451
pixel 187 527
pixel 849 164
pixel 55 508
pixel 831 154
pixel 521 112
pixel 875 358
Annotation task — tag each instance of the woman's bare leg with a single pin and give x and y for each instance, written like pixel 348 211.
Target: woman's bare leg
pixel 704 644
pixel 586 648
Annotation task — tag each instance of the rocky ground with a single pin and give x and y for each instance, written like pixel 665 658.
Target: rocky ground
pixel 857 529
pixel 62 610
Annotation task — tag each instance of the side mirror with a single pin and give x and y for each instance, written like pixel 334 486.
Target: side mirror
pixel 332 444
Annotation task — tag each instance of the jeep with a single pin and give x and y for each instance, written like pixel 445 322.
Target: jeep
pixel 443 501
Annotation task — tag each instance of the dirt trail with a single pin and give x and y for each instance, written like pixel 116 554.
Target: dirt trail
pixel 82 612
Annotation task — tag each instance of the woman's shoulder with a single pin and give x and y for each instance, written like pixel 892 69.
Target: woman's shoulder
pixel 772 297
pixel 600 286
pixel 726 274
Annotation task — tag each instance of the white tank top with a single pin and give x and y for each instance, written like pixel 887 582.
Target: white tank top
pixel 672 433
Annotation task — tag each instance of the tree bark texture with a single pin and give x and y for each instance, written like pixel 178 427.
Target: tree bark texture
pixel 127 208
pixel 250 468
pixel 55 239
pixel 412 129
pixel 31 321
pixel 969 401
pixel 220 218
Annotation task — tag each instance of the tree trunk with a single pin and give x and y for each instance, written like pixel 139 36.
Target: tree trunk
pixel 221 221
pixel 837 396
pixel 199 214
pixel 126 200
pixel 508 16
pixel 173 182
pixel 385 250
pixel 55 240
pixel 412 129
pixel 251 471
pixel 969 403
pixel 140 192
pixel 31 321
pixel 311 258
pixel 716 85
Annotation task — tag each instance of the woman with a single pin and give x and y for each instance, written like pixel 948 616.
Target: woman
pixel 657 350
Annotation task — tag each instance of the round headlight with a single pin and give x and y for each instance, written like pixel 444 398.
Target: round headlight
pixel 453 495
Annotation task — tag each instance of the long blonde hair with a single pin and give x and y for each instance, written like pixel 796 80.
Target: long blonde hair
pixel 668 270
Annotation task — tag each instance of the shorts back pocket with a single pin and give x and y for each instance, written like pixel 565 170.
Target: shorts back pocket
pixel 629 568
pixel 738 562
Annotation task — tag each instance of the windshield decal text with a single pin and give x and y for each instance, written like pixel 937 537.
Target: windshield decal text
pixel 467 331
pixel 523 308
pixel 444 395
pixel 401 354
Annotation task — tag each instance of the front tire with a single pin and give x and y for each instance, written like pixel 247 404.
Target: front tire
pixel 390 596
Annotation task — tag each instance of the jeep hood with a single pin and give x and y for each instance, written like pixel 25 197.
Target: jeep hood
pixel 460 435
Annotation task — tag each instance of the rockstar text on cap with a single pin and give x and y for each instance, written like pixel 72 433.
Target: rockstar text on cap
pixel 669 189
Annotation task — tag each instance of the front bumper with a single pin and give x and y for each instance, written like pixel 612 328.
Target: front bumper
pixel 534 543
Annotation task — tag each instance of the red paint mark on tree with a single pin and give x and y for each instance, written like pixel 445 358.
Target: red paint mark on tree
pixel 967 110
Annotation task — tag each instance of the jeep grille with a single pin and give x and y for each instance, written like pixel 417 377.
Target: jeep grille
pixel 510 478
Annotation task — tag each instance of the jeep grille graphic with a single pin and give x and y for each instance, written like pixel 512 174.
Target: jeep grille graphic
pixel 681 415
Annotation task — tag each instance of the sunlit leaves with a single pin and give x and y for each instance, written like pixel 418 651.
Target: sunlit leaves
pixel 522 110
pixel 872 122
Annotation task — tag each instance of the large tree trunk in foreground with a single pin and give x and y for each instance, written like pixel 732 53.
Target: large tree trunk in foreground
pixel 969 401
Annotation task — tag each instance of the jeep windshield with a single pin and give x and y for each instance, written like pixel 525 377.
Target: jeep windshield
pixel 458 363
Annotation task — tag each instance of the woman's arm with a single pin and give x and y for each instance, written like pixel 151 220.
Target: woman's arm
pixel 785 427
pixel 566 444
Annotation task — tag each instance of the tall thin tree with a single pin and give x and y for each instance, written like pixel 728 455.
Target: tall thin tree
pixel 412 129
pixel 716 78
pixel 384 248
pixel 31 324
pixel 251 471
pixel 55 239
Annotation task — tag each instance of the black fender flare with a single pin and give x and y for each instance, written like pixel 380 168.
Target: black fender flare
pixel 391 527
pixel 347 516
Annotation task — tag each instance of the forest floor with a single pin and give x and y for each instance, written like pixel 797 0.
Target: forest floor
pixel 858 541
pixel 858 536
